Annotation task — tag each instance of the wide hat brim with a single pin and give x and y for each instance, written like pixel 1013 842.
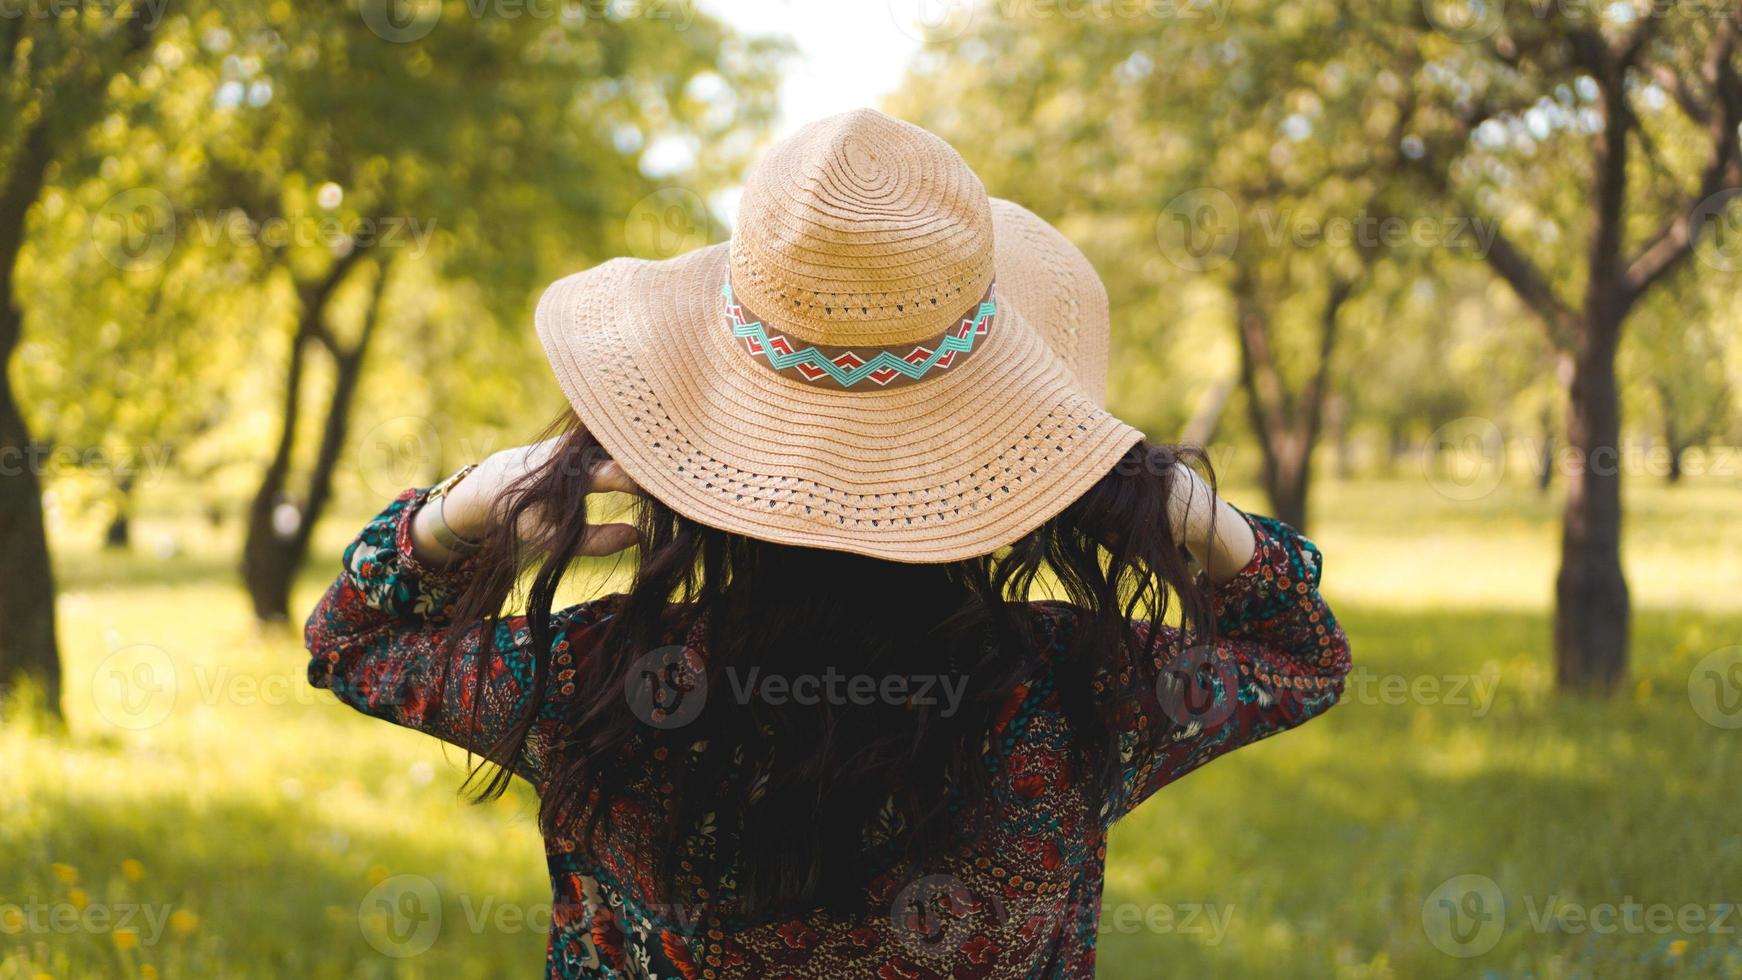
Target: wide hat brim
pixel 954 466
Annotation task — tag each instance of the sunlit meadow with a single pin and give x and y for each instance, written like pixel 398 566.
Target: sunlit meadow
pixel 213 816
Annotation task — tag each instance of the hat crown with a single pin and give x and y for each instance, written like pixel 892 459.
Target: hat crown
pixel 862 229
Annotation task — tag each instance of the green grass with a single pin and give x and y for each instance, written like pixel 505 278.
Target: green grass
pixel 261 815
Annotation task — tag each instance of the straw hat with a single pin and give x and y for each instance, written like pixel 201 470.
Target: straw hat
pixel 883 360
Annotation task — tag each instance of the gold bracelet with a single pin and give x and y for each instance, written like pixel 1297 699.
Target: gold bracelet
pixel 444 534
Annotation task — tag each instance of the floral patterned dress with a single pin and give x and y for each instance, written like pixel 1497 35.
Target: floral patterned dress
pixel 1023 901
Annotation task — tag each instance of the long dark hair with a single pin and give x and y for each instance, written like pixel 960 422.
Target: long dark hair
pixel 803 803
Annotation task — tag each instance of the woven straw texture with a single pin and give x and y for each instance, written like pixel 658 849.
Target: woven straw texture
pixel 861 231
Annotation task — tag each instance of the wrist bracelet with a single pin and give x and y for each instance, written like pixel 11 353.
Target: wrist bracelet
pixel 443 532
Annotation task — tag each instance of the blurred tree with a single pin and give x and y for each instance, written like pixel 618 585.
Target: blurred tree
pixel 495 147
pixel 1242 164
pixel 1620 118
pixel 1677 364
pixel 55 72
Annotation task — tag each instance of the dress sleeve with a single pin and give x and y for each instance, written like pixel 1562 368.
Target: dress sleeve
pixel 1279 659
pixel 378 640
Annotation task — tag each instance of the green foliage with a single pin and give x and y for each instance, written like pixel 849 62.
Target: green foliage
pixel 259 143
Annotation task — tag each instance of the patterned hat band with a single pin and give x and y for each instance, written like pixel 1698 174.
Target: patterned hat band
pixel 845 368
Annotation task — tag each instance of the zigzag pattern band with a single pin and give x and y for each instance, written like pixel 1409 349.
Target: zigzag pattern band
pixel 848 368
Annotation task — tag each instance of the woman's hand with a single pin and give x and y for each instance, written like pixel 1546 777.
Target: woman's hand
pixel 1210 528
pixel 471 506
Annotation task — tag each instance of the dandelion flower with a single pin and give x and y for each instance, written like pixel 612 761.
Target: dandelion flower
pixel 11 919
pixel 1677 948
pixel 64 873
pixel 126 939
pixel 147 972
pixel 377 875
pixel 183 923
pixel 132 870
pixel 79 898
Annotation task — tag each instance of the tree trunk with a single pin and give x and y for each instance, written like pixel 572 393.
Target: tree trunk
pixel 1591 602
pixel 28 648
pixel 119 534
pixel 275 547
pixel 1286 424
pixel 1286 486
pixel 263 549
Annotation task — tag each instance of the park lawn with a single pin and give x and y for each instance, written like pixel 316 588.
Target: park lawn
pixel 233 822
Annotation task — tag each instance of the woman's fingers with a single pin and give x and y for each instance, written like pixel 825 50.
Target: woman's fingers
pixel 608 477
pixel 608 539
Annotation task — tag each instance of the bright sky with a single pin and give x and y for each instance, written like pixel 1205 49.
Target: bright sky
pixel 851 53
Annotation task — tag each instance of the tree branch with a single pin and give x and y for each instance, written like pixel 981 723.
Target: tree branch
pixel 1505 258
pixel 1723 172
